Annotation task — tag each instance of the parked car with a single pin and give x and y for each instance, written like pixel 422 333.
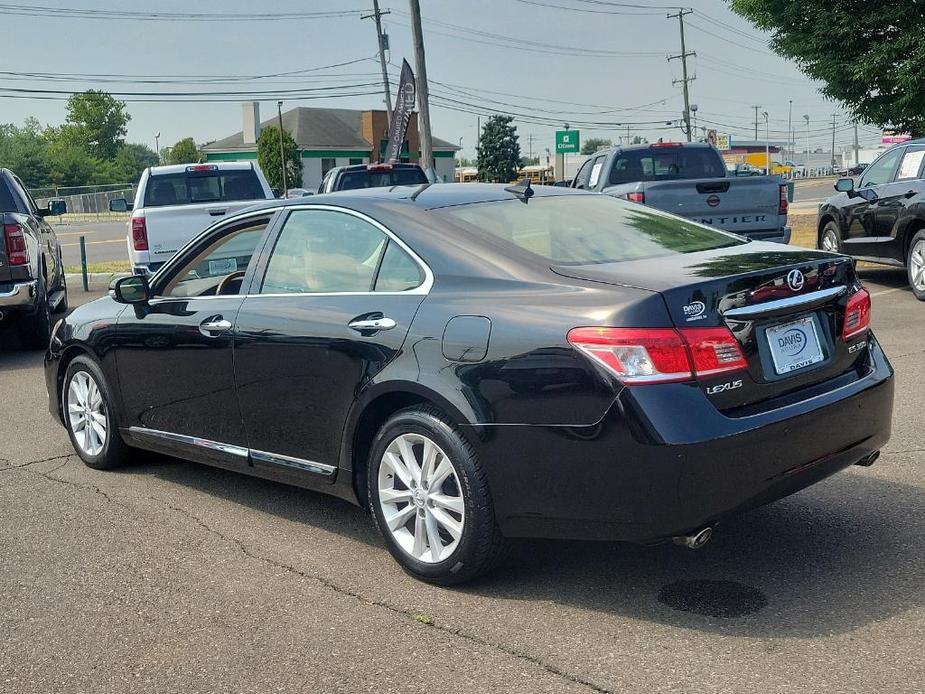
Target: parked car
pixel 371 176
pixel 174 203
pixel 474 363
pixel 32 281
pixel 297 193
pixel 856 170
pixel 881 220
pixel 690 179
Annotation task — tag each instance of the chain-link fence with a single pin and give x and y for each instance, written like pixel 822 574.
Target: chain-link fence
pixel 86 201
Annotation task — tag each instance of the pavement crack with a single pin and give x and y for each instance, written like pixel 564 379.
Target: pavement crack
pixel 394 609
pixel 20 466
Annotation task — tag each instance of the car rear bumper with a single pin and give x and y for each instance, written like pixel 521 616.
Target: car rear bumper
pixel 781 235
pixel 19 296
pixel 664 461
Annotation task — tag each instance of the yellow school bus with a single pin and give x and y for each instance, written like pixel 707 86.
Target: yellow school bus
pixel 538 175
pixel 467 175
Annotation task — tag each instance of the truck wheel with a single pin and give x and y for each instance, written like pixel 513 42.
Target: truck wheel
pixel 430 499
pixel 830 239
pixel 915 265
pixel 35 328
pixel 89 416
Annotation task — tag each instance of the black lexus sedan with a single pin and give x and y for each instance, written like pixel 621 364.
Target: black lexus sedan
pixel 473 363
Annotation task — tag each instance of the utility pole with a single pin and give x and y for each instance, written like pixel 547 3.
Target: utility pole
pixel 427 153
pixel 683 56
pixel 767 144
pixel 806 118
pixel 530 141
pixel 856 147
pixel 790 130
pixel 383 47
pixel 282 155
pixel 756 121
pixel 833 141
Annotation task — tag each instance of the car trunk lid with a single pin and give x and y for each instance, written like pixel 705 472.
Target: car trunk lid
pixel 784 306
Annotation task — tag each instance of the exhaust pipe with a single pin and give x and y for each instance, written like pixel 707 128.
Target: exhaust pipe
pixel 869 460
pixel 695 540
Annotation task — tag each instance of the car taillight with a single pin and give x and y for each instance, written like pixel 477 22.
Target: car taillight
pixel 636 197
pixel 638 356
pixel 17 252
pixel 784 204
pixel 379 167
pixel 139 234
pixel 857 314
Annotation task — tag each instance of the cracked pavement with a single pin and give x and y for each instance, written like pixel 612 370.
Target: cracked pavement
pixel 167 576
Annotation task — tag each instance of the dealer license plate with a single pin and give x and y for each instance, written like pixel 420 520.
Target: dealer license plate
pixel 794 345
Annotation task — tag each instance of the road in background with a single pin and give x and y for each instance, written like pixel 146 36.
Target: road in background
pixel 105 241
pixel 809 193
pixel 170 576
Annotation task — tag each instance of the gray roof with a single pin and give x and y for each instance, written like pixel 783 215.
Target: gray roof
pixel 316 128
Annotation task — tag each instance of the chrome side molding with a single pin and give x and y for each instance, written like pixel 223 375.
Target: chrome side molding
pixel 791 302
pixel 309 466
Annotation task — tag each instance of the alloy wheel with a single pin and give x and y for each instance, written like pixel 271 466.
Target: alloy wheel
pixel 830 241
pixel 421 498
pixel 917 265
pixel 86 413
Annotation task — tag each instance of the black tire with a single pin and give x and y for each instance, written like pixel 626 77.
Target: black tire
pixel 481 546
pixel 113 452
pixel 914 265
pixel 35 328
pixel 834 233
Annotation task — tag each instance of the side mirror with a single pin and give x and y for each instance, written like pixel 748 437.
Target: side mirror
pixel 845 185
pixel 131 290
pixel 57 207
pixel 119 205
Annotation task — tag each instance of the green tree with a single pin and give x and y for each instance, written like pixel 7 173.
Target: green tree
pixel 184 152
pixel 25 151
pixel 95 122
pixel 499 150
pixel 867 55
pixel 268 158
pixel 128 165
pixel 593 144
pixel 637 140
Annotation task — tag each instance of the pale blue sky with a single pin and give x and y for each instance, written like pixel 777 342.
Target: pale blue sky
pixel 606 64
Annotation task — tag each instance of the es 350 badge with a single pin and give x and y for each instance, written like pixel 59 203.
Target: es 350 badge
pixel 694 311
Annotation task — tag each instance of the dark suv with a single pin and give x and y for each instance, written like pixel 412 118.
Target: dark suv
pixel 372 176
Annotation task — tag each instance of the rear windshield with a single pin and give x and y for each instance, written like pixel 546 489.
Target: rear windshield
pixel 584 229
pixel 668 164
pixel 191 187
pixel 351 180
pixel 7 203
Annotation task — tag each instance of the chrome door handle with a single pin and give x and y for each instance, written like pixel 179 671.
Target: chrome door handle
pixel 214 327
pixel 372 324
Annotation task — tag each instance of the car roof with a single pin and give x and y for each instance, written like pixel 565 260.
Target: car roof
pixel 427 196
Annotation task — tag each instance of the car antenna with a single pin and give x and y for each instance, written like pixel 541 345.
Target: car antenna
pixel 522 190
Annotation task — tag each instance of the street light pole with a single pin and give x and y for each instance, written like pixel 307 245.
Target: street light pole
pixel 790 145
pixel 806 118
pixel 767 144
pixel 157 146
pixel 282 156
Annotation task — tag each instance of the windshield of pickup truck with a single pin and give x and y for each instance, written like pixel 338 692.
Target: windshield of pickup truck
pixel 666 164
pixel 192 187
pixel 352 180
pixel 585 229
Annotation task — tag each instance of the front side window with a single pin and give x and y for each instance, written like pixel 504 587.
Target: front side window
pixel 881 171
pixel 219 268
pixel 583 229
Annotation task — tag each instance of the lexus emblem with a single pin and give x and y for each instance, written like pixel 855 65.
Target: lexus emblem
pixel 795 280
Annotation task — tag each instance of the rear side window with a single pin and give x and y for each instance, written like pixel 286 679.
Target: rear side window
pixel 584 229
pixel 667 164
pixel 7 201
pixel 192 187
pixel 398 271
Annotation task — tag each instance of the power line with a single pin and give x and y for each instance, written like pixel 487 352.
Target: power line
pixel 151 16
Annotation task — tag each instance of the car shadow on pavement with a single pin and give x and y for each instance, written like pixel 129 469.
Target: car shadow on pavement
pixel 890 277
pixel 845 553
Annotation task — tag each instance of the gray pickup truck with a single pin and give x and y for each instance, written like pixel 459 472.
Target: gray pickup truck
pixel 32 284
pixel 691 181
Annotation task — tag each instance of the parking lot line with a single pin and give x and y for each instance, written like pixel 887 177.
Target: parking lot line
pixel 75 233
pixel 93 243
pixel 887 291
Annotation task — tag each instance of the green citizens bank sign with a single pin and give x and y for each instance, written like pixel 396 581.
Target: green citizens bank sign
pixel 566 141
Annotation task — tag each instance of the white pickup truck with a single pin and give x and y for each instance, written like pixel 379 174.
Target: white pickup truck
pixel 174 203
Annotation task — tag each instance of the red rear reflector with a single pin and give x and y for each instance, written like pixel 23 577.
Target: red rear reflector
pixel 857 314
pixel 713 350
pixel 784 204
pixel 636 197
pixel 203 167
pixel 139 234
pixel 17 252
pixel 660 355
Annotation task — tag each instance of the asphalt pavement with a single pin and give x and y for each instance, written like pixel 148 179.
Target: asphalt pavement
pixel 168 576
pixel 105 241
pixel 809 193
